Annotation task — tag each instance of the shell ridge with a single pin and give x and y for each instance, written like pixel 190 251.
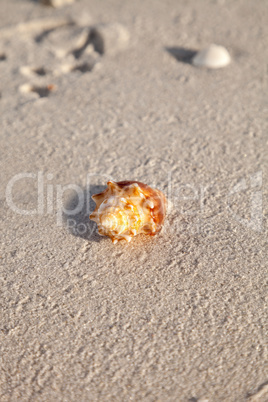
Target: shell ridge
pixel 128 208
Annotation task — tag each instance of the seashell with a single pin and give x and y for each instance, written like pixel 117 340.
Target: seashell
pixel 213 56
pixel 56 3
pixel 128 208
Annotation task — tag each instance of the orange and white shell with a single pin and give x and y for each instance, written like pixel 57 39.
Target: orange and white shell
pixel 127 208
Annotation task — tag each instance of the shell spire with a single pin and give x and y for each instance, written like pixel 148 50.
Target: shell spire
pixel 127 208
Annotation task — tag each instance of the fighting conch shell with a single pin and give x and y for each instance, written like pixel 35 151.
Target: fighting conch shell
pixel 127 208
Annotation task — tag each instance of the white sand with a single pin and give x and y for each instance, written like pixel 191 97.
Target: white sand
pixel 178 317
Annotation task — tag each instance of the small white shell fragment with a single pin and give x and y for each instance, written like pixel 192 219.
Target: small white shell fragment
pixel 29 71
pixel 25 88
pixel 213 56
pixel 37 91
pixel 56 3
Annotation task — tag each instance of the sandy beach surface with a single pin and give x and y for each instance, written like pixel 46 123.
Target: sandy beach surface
pixel 100 90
